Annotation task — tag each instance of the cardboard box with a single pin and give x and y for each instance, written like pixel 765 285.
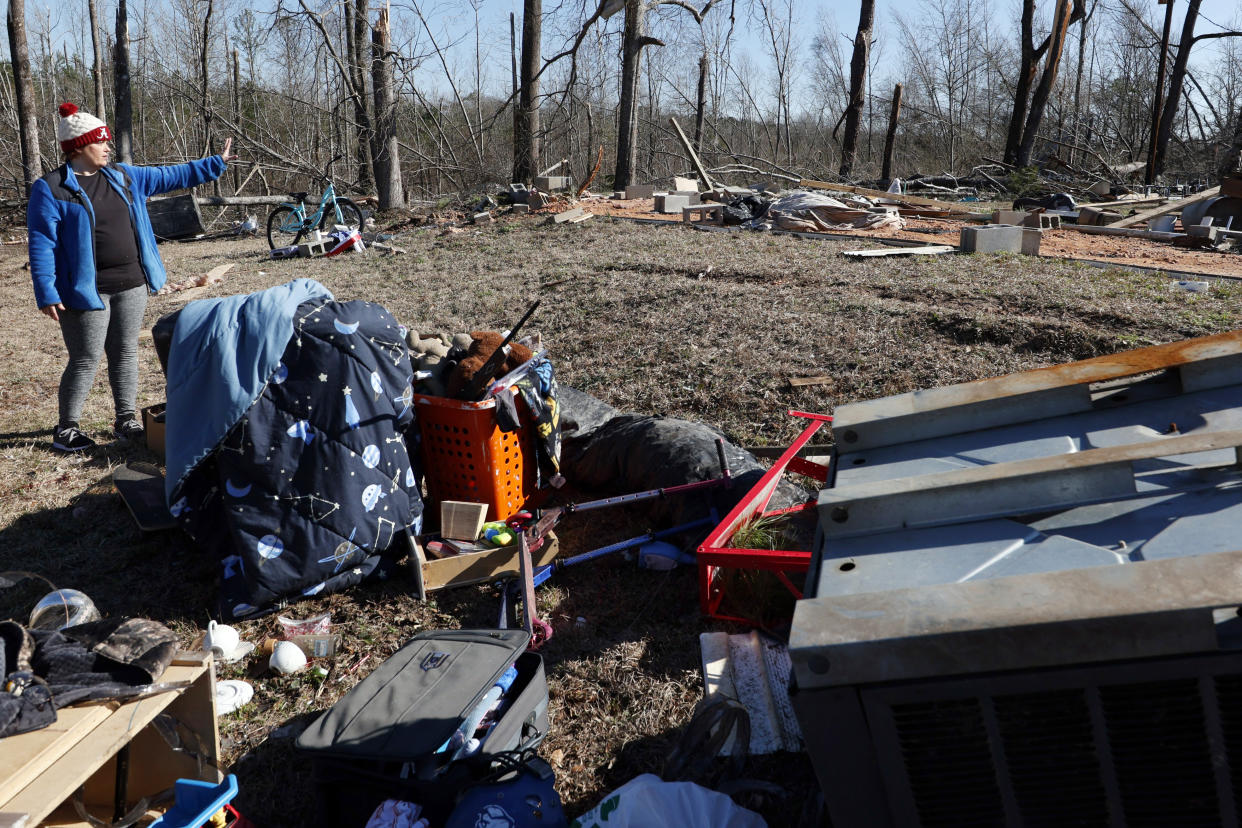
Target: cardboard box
pixel 153 424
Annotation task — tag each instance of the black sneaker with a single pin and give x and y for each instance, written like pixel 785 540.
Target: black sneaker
pixel 70 438
pixel 128 430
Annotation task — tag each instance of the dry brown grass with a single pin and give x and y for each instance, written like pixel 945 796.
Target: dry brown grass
pixel 634 317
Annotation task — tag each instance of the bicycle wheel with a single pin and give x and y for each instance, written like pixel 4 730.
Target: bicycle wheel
pixel 284 227
pixel 351 215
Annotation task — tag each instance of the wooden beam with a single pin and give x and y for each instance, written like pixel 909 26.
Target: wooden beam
pixel 924 250
pixel 1166 208
pixel 694 156
pixel 909 199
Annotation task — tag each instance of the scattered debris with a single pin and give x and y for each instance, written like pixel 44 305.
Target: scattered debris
pixel 211 277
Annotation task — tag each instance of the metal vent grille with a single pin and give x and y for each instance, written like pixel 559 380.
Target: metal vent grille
pixel 1160 749
pixel 1078 747
pixel 1048 746
pixel 945 746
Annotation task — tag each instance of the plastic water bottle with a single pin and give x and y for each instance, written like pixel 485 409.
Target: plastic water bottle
pixel 458 743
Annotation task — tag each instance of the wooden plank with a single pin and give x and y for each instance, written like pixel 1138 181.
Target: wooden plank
pixel 1166 208
pixel 694 156
pixel 924 250
pixel 799 382
pixel 1125 202
pixel 27 755
pixel 1128 232
pixel 866 191
pixel 88 752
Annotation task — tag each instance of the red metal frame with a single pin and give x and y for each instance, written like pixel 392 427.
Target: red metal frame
pixel 714 554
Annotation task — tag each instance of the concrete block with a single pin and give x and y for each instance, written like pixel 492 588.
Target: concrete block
pixel 713 213
pixel 311 249
pixel 518 194
pixel 691 195
pixel 1031 237
pixel 671 203
pixel 1199 231
pixel 1042 221
pixel 521 208
pixel 683 185
pixel 481 218
pixel 618 195
pixel 552 183
pixel 1014 217
pixel 640 191
pixel 991 238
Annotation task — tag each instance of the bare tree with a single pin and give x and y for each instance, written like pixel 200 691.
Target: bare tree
pixel 526 126
pixel 386 151
pixel 1061 20
pixel 1177 77
pixel 634 39
pixel 92 7
pixel 1027 69
pixel 121 87
pixel 28 124
pixel 356 25
pixel 858 78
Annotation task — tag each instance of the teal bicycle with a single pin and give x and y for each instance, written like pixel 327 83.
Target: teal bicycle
pixel 289 223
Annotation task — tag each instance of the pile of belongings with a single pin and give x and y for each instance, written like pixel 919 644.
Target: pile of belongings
pixel 44 670
pixel 286 443
pixel 817 213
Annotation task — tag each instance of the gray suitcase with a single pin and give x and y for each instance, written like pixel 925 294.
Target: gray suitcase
pixel 380 740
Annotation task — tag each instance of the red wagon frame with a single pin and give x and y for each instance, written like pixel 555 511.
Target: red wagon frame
pixel 714 554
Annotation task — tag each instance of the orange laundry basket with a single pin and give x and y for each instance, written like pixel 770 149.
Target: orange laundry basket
pixel 467 457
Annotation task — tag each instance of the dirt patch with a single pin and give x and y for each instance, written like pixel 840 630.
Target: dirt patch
pixel 652 319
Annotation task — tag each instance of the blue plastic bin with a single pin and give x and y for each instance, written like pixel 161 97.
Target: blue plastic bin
pixel 196 802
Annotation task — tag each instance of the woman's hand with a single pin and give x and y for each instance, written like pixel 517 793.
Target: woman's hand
pixel 51 311
pixel 227 153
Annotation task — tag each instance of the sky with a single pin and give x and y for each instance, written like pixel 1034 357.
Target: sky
pixel 494 15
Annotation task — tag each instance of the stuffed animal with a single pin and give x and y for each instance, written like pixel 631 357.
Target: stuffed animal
pixel 483 345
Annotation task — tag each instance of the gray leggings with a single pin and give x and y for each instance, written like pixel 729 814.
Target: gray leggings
pixel 91 334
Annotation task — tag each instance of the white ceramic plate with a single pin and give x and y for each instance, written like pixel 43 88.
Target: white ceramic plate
pixel 232 694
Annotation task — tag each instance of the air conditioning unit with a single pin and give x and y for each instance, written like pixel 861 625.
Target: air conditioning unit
pixel 1023 603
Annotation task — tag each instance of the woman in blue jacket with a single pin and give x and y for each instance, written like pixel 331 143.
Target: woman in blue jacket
pixel 93 260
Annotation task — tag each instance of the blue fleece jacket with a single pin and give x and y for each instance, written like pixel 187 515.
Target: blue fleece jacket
pixel 61 224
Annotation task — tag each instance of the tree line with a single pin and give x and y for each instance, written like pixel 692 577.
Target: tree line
pixel 416 105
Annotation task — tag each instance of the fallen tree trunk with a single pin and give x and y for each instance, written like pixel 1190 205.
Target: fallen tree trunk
pixel 233 201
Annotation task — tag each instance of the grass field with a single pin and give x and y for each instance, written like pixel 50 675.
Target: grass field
pixel 653 320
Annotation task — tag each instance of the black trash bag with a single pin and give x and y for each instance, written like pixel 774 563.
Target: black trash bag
pixel 1054 201
pixel 633 453
pixel 744 209
pixel 581 413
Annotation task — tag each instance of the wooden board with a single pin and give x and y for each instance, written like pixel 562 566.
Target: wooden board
pixel 52 764
pixel 1166 208
pixel 143 493
pixel 925 250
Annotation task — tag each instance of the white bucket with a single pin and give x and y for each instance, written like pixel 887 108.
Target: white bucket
pixel 1161 224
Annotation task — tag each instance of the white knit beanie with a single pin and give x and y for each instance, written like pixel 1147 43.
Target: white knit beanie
pixel 79 129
